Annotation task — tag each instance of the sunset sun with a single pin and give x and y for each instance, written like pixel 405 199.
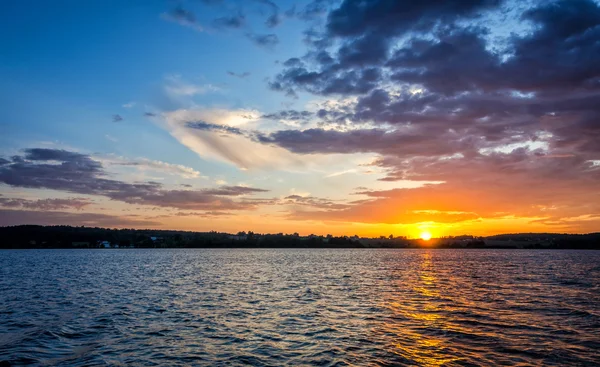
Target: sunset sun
pixel 426 236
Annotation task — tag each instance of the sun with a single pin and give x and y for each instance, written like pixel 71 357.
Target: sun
pixel 425 236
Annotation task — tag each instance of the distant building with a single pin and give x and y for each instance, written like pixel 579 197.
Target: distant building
pixel 83 244
pixel 237 237
pixel 104 244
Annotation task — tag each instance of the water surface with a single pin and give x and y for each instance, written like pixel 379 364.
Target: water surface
pixel 285 307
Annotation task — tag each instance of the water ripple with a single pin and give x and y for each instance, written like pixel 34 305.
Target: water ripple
pixel 299 307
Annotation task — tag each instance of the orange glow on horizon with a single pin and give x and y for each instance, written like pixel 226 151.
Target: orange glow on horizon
pixel 425 236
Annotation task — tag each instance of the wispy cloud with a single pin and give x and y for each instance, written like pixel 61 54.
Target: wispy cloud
pixel 44 204
pixel 340 173
pixel 268 41
pixel 155 165
pixel 19 217
pixel 242 75
pixel 176 86
pixel 183 17
pixel 231 144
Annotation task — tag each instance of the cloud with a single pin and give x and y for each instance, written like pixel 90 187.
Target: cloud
pixel 268 41
pixel 218 134
pixel 365 33
pixel 205 126
pixel 183 17
pixel 318 140
pixel 160 166
pixel 117 118
pixel 503 122
pixel 176 87
pixel 274 19
pixel 210 214
pixel 78 173
pixel 21 217
pixel 45 204
pixel 234 21
pixel 243 75
pixel 340 173
pixel 481 188
pixel 128 105
pixel 312 202
pixel 289 115
pixel 395 18
pixel 234 190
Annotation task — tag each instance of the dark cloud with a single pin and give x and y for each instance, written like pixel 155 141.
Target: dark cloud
pixel 292 115
pixel 314 9
pixel 149 114
pixel 242 75
pixel 331 80
pixel 273 20
pixel 45 204
pixel 234 21
pixel 78 173
pixel 233 190
pixel 21 217
pixel 181 14
pixel 117 118
pixel 391 18
pixel 314 202
pixel 42 154
pixel 268 41
pixel 446 56
pixel 209 214
pixel 444 89
pixel 202 125
pixel 365 31
pixel 456 62
pixel 562 54
pixel 380 141
pixel 184 16
pixel 291 12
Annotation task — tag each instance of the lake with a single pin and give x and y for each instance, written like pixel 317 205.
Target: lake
pixel 294 307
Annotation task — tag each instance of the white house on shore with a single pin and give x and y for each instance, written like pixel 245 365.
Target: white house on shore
pixel 107 244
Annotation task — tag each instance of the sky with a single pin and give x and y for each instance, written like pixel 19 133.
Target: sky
pixel 328 117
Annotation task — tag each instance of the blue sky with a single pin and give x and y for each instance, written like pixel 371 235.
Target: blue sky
pixel 346 116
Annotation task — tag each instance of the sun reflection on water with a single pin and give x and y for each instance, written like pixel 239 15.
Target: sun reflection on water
pixel 424 322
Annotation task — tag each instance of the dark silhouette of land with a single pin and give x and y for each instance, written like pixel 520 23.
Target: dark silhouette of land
pixel 32 236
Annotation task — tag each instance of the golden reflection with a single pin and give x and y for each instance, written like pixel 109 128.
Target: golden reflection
pixel 422 325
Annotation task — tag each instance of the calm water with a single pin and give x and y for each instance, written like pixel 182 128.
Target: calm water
pixel 299 307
